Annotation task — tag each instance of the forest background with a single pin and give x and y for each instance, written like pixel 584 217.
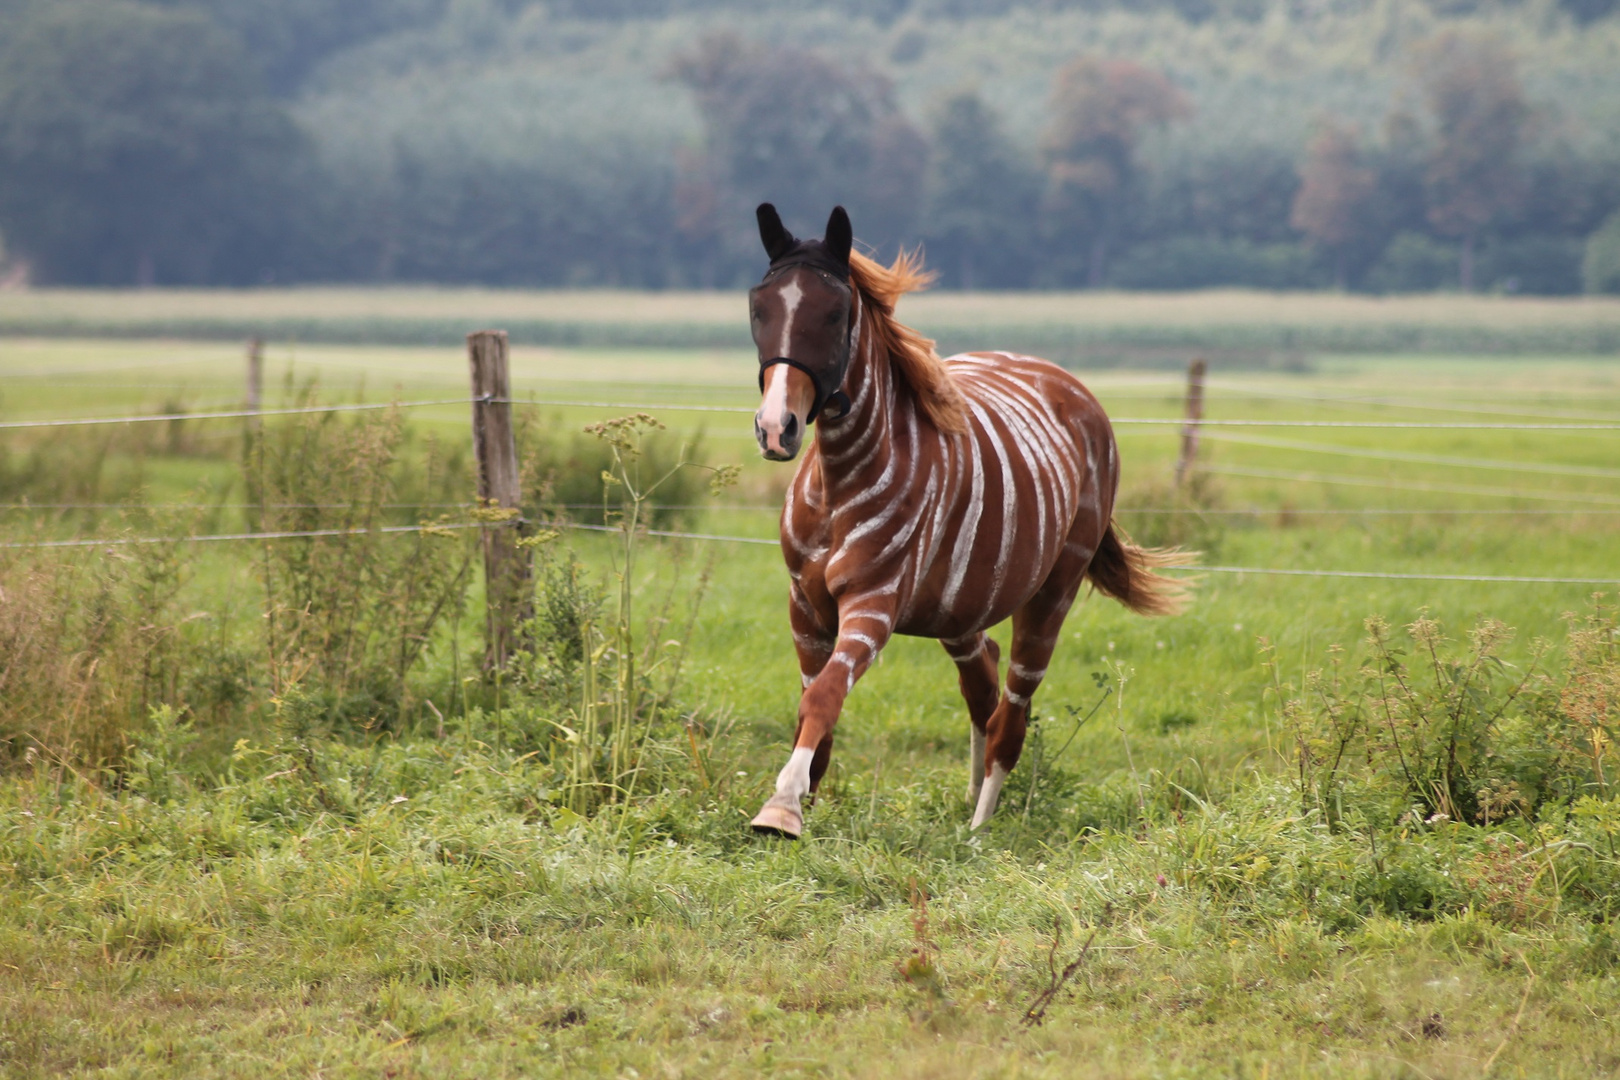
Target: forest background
pixel 1376 145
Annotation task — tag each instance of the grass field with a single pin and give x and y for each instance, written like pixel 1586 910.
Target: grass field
pixel 413 901
pixel 1117 329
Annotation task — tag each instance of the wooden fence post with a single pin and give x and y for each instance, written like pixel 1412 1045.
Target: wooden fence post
pixel 1195 413
pixel 255 374
pixel 508 567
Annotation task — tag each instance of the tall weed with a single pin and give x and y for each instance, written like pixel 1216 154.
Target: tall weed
pixel 565 473
pixel 608 670
pixel 348 615
pixel 69 467
pixel 1441 730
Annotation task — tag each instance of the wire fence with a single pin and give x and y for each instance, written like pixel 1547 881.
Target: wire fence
pixel 1171 422
pixel 666 406
pixel 768 542
pixel 1487 491
pixel 291 534
pixel 776 508
pixel 230 414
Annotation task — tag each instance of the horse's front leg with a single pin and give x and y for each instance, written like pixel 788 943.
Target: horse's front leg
pixel 814 639
pixel 864 626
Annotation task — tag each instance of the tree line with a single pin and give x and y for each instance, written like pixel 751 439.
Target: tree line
pixel 179 155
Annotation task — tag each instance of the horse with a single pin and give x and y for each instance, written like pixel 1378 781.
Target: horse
pixel 938 498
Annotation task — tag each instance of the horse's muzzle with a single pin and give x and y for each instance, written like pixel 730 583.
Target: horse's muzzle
pixel 779 437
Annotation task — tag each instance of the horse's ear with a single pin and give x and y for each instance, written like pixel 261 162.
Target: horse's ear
pixel 772 233
pixel 840 237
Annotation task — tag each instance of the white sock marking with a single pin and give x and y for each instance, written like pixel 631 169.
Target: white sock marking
pixel 989 795
pixel 793 782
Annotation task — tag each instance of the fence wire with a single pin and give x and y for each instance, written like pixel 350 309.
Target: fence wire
pixel 231 414
pixel 776 508
pixel 1171 422
pixel 291 534
pixel 1153 421
pixel 756 540
pixel 1261 473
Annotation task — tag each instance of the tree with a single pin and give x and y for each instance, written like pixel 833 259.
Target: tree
pixel 789 126
pixel 982 198
pixel 1335 194
pixel 1100 111
pixel 1470 87
pixel 287 38
pixel 137 147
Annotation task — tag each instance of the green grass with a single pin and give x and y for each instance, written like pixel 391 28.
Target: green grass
pixel 455 932
pixel 231 920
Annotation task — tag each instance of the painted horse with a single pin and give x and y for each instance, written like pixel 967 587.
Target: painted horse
pixel 938 498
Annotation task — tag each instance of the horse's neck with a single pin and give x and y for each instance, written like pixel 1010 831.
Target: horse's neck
pixel 855 448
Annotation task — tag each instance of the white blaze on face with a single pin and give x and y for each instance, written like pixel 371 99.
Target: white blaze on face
pixel 792 296
pixel 773 409
pixel 774 406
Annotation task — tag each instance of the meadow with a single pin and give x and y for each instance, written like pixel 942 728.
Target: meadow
pixel 270 877
pixel 1245 328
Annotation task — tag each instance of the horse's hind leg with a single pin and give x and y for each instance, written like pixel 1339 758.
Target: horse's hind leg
pixel 1036 626
pixel 978 672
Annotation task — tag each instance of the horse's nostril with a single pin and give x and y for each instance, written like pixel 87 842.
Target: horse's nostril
pixel 791 428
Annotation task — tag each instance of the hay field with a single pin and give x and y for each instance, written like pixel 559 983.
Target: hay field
pixel 1101 327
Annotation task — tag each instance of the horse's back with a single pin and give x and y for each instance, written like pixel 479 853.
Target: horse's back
pixel 1040 397
pixel 1055 385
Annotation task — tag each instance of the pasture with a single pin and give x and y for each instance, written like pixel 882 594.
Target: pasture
pixel 1239 327
pixel 274 882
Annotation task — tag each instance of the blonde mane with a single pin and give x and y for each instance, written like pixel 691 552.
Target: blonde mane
pixel 911 354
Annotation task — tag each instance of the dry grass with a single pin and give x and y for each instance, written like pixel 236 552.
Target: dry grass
pixel 86 645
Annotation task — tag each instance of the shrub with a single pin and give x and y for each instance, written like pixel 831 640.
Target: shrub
pixel 1534 265
pixel 1165 514
pixel 91 641
pixel 1600 271
pixel 68 466
pixel 349 615
pixel 1455 732
pixel 565 473
pixel 1413 262
pixel 1197 262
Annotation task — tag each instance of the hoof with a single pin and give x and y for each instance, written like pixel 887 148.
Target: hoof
pixel 779 821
